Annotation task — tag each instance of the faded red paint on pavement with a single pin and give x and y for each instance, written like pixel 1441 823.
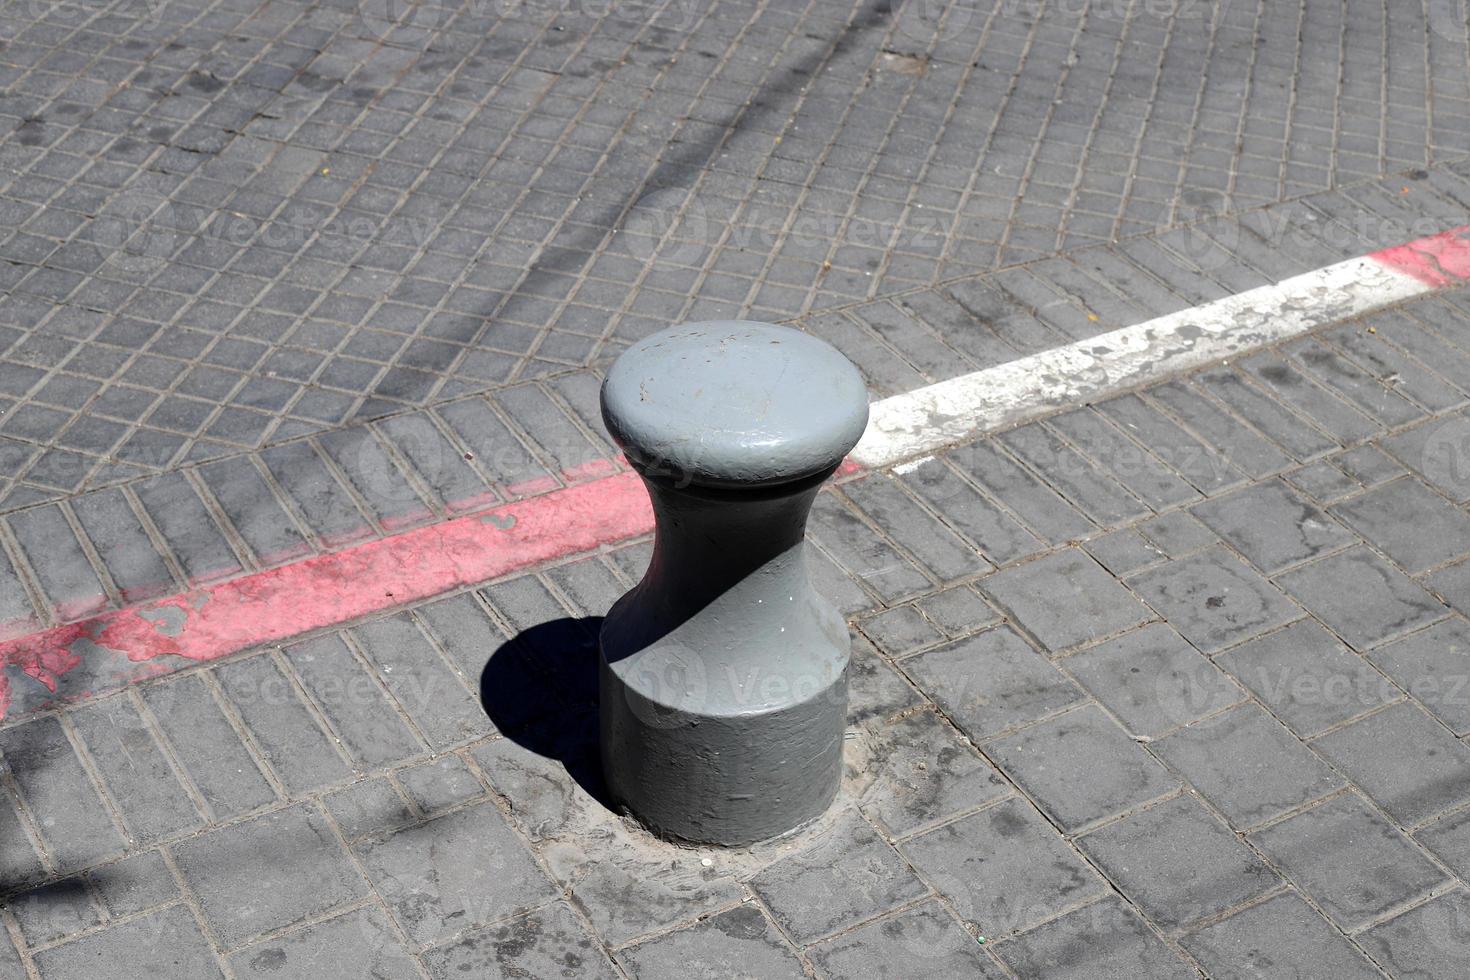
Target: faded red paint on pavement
pixel 1439 260
pixel 208 623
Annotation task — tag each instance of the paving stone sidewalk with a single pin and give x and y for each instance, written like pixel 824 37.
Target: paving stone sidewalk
pixel 229 227
pixel 1173 685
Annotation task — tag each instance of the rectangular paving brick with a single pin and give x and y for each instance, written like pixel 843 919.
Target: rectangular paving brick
pixel 1433 666
pixel 432 694
pixel 268 872
pixel 1246 765
pixel 863 553
pixel 1092 491
pixel 1308 678
pixel 358 944
pixel 1152 680
pixel 1214 599
pixel 361 716
pixel 1404 760
pixel 1423 941
pixel 377 478
pixel 1267 415
pixel 1272 526
pixel 293 743
pixel 1065 599
pixel 1004 869
pixel 1282 933
pixel 457 871
pixel 1363 390
pixel 157 945
pixel 324 505
pixel 741 938
pixel 1103 941
pixel 890 947
pixel 439 464
pixel 1410 523
pixel 849 876
pixel 187 526
pixel 1364 599
pixel 62 800
pixel 128 553
pixel 923 771
pixel 1329 413
pixel 995 533
pixel 1177 862
pixel 1042 509
pixel 206 746
pixel 248 502
pixel 137 774
pixel 992 681
pixel 1348 859
pixel 1241 446
pixel 64 572
pixel 1126 461
pixel 1080 767
pixel 933 544
pixel 1204 468
pixel 545 942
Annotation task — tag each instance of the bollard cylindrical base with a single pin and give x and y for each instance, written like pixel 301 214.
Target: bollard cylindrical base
pixel 730 779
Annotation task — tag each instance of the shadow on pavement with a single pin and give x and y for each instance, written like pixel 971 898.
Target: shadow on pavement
pixel 540 690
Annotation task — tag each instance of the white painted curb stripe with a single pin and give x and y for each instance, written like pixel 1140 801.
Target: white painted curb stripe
pixel 920 422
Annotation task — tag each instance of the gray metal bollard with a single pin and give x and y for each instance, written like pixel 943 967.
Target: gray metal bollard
pixel 723 673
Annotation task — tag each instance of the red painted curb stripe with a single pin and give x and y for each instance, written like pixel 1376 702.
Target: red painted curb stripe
pixel 1439 260
pixel 208 623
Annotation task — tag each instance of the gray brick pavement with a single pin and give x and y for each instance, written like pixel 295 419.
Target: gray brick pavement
pixel 1236 754
pixel 1171 685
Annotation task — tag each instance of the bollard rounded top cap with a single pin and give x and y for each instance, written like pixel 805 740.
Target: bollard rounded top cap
pixel 734 403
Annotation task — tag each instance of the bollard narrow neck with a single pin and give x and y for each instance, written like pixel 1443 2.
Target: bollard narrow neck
pixel 709 542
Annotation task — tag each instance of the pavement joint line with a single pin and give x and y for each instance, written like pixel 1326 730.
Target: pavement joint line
pixel 207 623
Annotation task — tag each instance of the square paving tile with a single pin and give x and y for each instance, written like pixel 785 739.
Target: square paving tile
pixel 1177 862
pixel 1281 937
pixel 922 941
pixel 1404 759
pixel 1362 597
pixel 1430 940
pixel 1004 869
pixel 849 875
pixel 1433 665
pixel 268 872
pixel 358 944
pixel 922 771
pixel 454 872
pixel 160 945
pixel 1410 523
pixel 1152 679
pixel 1081 767
pixel 1348 859
pixel 1214 599
pixel 1065 598
pixel 1272 526
pixel 1308 678
pixel 739 942
pixel 1247 765
pixel 548 942
pixel 992 681
pixel 1104 941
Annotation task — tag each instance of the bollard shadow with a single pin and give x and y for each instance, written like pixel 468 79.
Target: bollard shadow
pixel 539 688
